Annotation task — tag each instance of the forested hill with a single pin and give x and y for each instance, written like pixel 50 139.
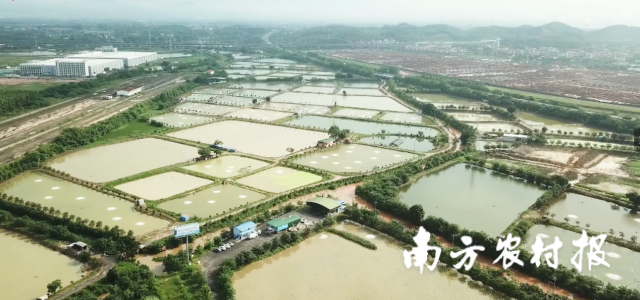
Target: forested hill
pixel 546 35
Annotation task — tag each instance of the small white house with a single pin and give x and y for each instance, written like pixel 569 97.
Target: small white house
pixel 129 91
pixel 513 137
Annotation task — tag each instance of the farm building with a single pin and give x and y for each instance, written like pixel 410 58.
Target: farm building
pixel 78 246
pixel 513 137
pixel 326 143
pixel 397 143
pixel 244 230
pixel 277 225
pixel 326 205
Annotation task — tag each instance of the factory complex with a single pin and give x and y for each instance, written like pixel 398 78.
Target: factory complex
pixel 87 64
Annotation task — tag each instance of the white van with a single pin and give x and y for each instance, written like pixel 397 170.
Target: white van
pixel 45 297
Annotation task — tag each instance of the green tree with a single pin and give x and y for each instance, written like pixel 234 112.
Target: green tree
pixel 635 199
pixel 254 101
pixel 334 131
pixel 204 151
pixel 416 213
pixel 268 99
pixel 344 92
pixel 54 286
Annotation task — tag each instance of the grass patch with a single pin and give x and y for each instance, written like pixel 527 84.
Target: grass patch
pixel 135 127
pixel 186 284
pixel 634 168
pixel 35 86
pixel 354 238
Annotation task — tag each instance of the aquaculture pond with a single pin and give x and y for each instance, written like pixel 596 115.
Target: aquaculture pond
pixel 315 89
pixel 401 142
pixel 619 259
pixel 80 201
pixel 356 113
pixel 362 127
pixel 361 92
pixel 496 127
pixel 302 109
pixel 162 185
pixel 538 122
pixel 227 166
pixel 470 117
pixel 279 179
pixel 473 198
pixel 365 102
pixel 258 114
pixel 181 120
pixel 205 109
pixel 362 85
pixel 263 86
pixel 212 201
pixel 29 267
pixel 599 214
pixel 254 138
pixel 327 266
pixel 111 162
pixel 440 100
pixel 254 93
pixel 353 158
pixel 402 118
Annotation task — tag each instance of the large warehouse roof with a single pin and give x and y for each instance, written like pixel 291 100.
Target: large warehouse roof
pixel 328 204
pixel 48 62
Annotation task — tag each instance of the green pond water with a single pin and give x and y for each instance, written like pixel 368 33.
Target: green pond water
pixel 473 198
pixel 353 158
pixel 619 259
pixel 227 166
pixel 80 201
pixel 279 179
pixel 212 201
pixel 361 127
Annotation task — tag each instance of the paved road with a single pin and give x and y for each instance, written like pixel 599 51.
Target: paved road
pixel 212 260
pixel 265 38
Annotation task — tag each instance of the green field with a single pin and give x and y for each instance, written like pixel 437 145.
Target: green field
pixel 135 127
pixel 582 103
pixel 36 86
pixel 634 168
pixel 455 100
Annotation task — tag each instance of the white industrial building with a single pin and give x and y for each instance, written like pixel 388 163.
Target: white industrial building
pixel 70 67
pixel 41 68
pixel 88 63
pixel 129 59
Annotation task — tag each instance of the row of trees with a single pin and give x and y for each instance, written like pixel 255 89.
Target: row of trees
pixel 545 107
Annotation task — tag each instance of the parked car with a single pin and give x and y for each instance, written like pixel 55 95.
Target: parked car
pixel 230 244
pixel 222 248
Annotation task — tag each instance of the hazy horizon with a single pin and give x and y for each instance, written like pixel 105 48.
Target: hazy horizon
pixel 580 14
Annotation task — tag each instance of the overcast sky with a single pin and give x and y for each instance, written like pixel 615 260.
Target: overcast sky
pixel 578 13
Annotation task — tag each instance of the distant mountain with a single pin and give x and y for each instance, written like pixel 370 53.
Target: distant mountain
pixel 548 34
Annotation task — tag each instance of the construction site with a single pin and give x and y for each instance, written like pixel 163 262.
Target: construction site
pixel 619 87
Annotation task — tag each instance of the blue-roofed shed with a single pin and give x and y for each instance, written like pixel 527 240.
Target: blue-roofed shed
pixel 244 230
